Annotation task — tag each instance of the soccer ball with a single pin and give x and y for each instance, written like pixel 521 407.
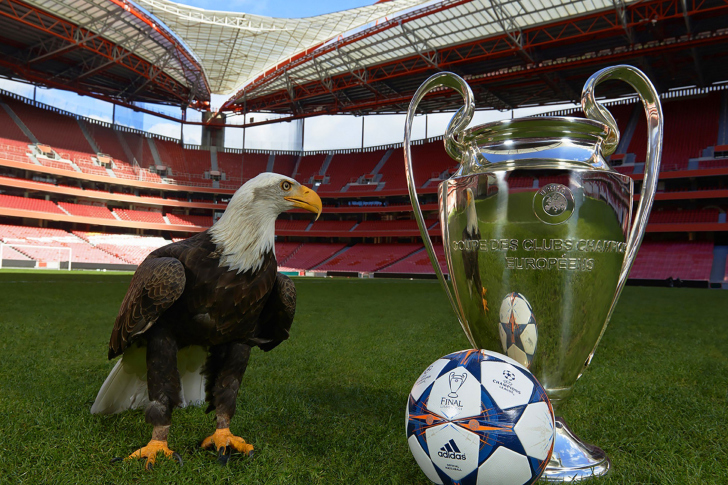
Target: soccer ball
pixel 476 417
pixel 518 329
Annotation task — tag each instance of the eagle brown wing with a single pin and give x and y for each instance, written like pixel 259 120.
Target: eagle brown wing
pixel 155 286
pixel 277 316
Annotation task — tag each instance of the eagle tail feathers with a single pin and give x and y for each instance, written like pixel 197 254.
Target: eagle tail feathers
pixel 126 386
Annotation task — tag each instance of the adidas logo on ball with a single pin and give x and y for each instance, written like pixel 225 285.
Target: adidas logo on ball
pixel 451 450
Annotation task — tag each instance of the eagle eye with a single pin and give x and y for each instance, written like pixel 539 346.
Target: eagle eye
pixel 286 185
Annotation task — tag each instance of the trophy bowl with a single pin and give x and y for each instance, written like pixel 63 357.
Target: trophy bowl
pixel 539 236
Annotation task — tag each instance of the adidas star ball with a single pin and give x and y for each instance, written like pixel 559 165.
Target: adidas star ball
pixel 476 417
pixel 518 329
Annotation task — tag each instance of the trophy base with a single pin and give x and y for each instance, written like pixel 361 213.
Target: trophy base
pixel 572 459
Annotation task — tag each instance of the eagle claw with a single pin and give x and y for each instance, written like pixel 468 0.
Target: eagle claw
pixel 225 442
pixel 150 453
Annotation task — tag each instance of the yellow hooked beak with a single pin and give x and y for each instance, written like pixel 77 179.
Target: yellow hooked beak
pixel 306 199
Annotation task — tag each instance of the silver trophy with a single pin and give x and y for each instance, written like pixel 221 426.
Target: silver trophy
pixel 536 269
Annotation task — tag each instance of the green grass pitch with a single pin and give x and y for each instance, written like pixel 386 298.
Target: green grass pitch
pixel 327 406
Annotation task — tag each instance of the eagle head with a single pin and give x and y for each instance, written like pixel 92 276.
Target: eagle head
pixel 246 230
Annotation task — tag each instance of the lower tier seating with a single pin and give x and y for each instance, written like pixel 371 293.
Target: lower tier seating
pixel 419 263
pixel 368 257
pixel 684 260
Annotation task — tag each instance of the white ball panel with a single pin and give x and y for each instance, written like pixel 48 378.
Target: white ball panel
pixel 423 460
pixel 505 309
pixel 529 337
pixel 518 355
pixel 511 361
pixel 455 394
pixel 504 467
pixel 535 430
pixel 506 392
pixel 406 417
pixel 453 449
pixel 428 377
pixel 522 311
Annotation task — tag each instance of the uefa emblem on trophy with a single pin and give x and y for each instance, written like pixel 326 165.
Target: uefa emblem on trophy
pixel 535 273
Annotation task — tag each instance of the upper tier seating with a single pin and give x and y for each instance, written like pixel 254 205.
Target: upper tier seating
pixel 419 263
pixel 189 220
pixel 429 160
pixel 139 148
pixel 690 126
pixel 345 168
pixel 172 155
pixel 61 132
pixel 684 260
pixel 368 257
pixel 309 166
pixel 311 254
pixel 284 164
pixel 29 204
pixel 10 132
pixel 395 225
pixel 686 216
pixel 292 225
pixel 332 226
pixel 100 212
pixel 140 216
pixel 198 161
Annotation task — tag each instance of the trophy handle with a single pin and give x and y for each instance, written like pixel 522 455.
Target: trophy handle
pixel 653 111
pixel 454 147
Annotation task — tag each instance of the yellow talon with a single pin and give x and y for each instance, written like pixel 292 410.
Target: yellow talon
pixel 150 452
pixel 222 438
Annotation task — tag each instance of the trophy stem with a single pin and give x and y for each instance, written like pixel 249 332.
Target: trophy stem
pixel 572 459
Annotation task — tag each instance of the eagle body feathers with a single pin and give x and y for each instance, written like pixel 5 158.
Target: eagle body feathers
pixel 184 286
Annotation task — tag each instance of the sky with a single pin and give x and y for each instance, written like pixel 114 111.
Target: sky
pixel 279 8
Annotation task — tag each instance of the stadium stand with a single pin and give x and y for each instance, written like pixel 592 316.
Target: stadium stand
pixel 100 212
pixel 81 251
pixel 140 216
pixel 285 249
pixel 292 225
pixel 129 248
pixel 332 226
pixel 189 220
pixel 418 263
pixel 684 216
pixel 348 167
pixel 309 255
pixel 172 155
pixel 685 260
pixel 698 119
pixel 400 225
pixel 11 134
pixel 61 132
pixel 29 204
pixel 284 164
pixel 365 257
pixel 309 167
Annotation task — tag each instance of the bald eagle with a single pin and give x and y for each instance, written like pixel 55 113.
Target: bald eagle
pixel 193 311
pixel 470 253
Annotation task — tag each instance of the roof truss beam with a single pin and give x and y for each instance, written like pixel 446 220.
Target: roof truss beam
pixel 79 37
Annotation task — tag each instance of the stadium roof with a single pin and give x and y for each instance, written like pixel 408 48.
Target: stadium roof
pixel 106 48
pixel 513 53
pixel 235 47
